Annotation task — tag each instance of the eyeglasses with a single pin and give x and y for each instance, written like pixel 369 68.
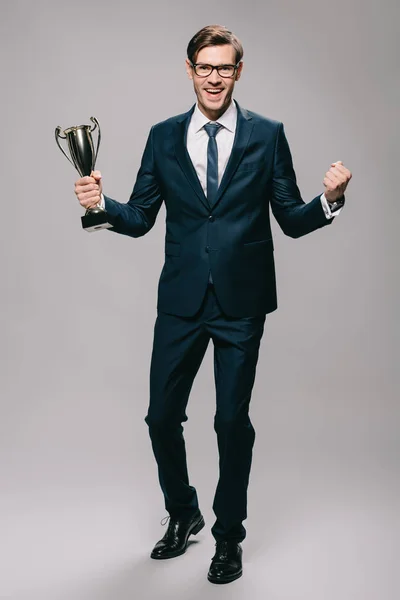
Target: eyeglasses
pixel 203 70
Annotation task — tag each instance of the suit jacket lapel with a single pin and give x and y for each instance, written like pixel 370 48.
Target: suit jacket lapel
pixel 183 157
pixel 244 127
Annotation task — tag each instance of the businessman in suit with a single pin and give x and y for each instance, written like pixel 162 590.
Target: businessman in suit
pixel 218 168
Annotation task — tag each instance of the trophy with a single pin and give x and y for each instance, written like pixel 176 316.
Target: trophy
pixel 80 145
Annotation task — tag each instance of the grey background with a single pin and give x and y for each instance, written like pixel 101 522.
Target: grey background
pixel 80 501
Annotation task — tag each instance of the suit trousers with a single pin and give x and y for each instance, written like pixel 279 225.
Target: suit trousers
pixel 179 346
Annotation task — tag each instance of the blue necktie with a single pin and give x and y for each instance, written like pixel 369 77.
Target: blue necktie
pixel 212 161
pixel 212 166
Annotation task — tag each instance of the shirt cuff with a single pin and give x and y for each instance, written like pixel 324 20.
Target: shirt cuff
pixel 327 209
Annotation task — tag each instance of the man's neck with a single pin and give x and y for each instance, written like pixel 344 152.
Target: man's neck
pixel 213 115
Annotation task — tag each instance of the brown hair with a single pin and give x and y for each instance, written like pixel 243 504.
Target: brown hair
pixel 213 35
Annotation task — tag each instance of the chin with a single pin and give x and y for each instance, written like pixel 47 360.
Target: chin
pixel 211 103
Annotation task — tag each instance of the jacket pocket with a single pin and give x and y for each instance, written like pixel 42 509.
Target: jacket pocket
pixel 172 248
pixel 259 243
pixel 253 165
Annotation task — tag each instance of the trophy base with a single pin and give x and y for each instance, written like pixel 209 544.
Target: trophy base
pixel 95 220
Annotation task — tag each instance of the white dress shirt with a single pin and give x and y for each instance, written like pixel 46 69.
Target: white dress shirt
pixel 197 143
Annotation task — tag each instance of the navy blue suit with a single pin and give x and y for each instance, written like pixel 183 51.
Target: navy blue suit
pixel 233 239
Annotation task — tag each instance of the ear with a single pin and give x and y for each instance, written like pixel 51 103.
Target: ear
pixel 189 69
pixel 239 70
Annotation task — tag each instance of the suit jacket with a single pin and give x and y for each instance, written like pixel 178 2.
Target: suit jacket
pixel 232 237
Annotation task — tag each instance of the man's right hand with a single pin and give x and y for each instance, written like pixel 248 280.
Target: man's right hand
pixel 89 189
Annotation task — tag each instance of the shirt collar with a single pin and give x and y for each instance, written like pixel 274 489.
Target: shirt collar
pixel 227 119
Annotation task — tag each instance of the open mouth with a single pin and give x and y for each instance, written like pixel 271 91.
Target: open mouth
pixel 213 92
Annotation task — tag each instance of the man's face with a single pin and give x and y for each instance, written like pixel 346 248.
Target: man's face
pixel 214 92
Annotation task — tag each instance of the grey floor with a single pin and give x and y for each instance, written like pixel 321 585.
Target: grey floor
pixel 311 535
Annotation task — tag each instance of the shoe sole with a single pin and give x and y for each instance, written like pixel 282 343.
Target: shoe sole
pixel 226 579
pixel 198 527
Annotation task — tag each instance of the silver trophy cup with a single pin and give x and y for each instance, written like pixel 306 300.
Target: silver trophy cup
pixel 83 158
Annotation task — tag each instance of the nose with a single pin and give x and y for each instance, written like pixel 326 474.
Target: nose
pixel 214 77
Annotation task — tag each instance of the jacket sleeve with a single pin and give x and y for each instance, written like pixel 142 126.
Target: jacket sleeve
pixel 136 217
pixel 295 217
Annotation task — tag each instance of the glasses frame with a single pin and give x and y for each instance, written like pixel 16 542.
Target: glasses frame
pixel 217 67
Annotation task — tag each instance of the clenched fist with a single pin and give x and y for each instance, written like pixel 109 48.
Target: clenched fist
pixel 89 189
pixel 336 180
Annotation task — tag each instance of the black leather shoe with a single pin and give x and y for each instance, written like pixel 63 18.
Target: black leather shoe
pixel 175 540
pixel 226 564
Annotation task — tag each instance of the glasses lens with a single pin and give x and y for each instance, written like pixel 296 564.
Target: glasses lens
pixel 226 71
pixel 202 70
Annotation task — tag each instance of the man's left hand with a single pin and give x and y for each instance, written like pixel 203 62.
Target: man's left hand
pixel 336 180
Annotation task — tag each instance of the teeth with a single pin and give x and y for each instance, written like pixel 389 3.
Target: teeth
pixel 213 91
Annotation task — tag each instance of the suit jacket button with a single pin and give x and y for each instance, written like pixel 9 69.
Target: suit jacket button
pixel 211 218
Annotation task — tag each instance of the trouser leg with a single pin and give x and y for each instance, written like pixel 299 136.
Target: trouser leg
pixel 236 350
pixel 178 348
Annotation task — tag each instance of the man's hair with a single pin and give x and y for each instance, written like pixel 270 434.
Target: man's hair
pixel 213 35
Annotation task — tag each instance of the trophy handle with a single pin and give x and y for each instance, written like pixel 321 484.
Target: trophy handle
pixel 57 134
pixel 95 121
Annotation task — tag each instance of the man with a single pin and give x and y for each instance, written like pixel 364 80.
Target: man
pixel 218 168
